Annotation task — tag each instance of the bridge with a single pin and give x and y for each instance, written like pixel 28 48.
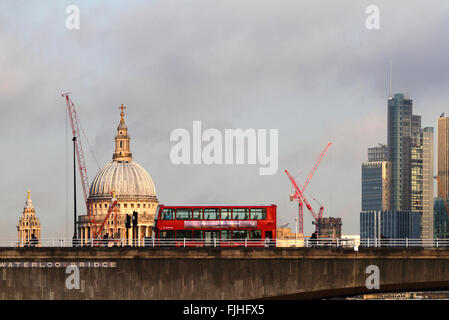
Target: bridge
pixel 216 273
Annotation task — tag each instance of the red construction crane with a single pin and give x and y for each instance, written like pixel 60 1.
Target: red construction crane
pixel 298 196
pixel 320 213
pixel 80 157
pixel 112 206
pixel 299 193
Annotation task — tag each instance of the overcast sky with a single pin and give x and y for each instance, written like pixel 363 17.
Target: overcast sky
pixel 310 69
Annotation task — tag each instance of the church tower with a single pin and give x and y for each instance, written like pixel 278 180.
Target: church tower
pixel 29 228
pixel 122 149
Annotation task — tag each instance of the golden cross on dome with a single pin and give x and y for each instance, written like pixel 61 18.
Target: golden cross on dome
pixel 122 114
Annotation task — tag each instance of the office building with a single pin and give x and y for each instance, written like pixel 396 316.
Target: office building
pixel 441 219
pixel 427 184
pixel 329 228
pixel 379 153
pixel 443 155
pixel 401 124
pixel 390 224
pixel 376 185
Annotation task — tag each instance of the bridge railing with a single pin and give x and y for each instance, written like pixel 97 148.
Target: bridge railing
pixel 214 242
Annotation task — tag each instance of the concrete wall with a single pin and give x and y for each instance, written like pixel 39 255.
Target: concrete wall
pixel 216 273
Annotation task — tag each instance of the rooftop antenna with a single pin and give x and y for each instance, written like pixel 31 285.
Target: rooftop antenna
pixel 391 76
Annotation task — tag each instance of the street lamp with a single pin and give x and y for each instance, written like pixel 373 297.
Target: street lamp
pixel 296 231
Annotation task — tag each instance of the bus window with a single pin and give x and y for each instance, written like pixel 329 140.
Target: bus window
pixel 226 235
pixel 168 214
pixel 167 234
pixel 259 214
pixel 183 214
pixel 226 214
pixel 241 214
pixel 239 234
pixel 197 214
pixel 255 234
pixel 181 234
pixel 211 214
pixel 197 234
pixel 208 235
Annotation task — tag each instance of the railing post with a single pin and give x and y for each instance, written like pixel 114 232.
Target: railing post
pixel 406 242
pixel 246 242
pixel 338 242
pixel 437 242
pixel 153 242
pixel 184 242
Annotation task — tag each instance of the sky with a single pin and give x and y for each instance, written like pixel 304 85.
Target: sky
pixel 310 69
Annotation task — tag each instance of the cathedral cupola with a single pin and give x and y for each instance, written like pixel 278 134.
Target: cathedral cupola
pixel 122 149
pixel 29 227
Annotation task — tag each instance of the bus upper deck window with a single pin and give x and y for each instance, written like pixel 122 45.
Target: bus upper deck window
pixel 168 214
pixel 197 214
pixel 183 214
pixel 211 214
pixel 241 214
pixel 226 214
pixel 258 214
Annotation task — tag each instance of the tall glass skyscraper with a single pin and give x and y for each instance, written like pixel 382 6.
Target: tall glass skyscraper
pixel 376 185
pixel 400 128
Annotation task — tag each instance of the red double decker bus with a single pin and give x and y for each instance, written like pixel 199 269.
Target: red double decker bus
pixel 220 226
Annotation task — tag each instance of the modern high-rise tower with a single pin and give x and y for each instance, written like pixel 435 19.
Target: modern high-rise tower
pixel 410 151
pixel 376 185
pixel 401 124
pixel 443 155
pixel 427 184
pixel 441 221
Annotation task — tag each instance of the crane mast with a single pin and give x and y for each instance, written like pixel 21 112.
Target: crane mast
pixel 299 193
pixel 80 157
pixel 317 163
